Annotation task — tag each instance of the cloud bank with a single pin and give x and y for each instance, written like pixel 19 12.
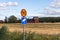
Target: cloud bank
pixel 5 4
pixel 55 4
pixel 53 8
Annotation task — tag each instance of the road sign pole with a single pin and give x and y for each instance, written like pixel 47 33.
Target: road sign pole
pixel 23 32
pixel 23 21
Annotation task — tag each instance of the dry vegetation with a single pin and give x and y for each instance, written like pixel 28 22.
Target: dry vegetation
pixel 40 28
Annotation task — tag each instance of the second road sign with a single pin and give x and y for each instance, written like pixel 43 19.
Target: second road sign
pixel 23 12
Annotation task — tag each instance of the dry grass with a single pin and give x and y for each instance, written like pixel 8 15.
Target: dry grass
pixel 40 28
pixel 34 25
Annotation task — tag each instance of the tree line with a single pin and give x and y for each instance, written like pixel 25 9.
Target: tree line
pixel 49 19
pixel 13 19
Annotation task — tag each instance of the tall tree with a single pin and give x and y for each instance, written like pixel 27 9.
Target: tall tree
pixel 6 19
pixel 12 19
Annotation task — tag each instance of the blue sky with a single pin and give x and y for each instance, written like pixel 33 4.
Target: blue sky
pixel 41 8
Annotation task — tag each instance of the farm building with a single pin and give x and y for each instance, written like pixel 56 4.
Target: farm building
pixel 30 21
pixel 1 21
pixel 36 19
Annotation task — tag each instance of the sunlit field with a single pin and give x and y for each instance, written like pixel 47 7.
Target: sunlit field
pixel 33 25
pixel 40 28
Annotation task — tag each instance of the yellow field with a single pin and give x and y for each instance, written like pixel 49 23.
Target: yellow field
pixel 40 28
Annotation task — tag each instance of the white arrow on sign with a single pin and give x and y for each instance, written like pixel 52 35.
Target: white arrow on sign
pixel 23 20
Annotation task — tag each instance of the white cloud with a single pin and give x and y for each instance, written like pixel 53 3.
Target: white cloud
pixel 5 4
pixel 52 12
pixel 55 3
pixel 2 8
pixel 53 8
pixel 40 15
pixel 12 3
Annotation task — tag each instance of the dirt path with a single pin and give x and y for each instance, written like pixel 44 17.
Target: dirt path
pixel 37 30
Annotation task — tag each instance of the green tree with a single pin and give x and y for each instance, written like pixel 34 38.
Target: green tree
pixel 12 19
pixel 6 19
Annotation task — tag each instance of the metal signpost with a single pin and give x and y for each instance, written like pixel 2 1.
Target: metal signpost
pixel 23 21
